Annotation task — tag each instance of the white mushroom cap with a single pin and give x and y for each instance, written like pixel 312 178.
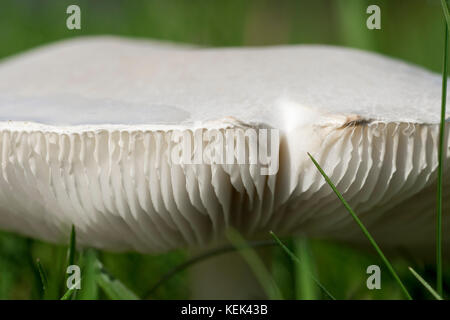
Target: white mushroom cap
pixel 84 127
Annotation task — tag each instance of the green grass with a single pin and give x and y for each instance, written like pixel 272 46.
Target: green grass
pixel 71 254
pixel 425 284
pixel 439 280
pixel 72 247
pixel 113 288
pixel 43 275
pixel 337 267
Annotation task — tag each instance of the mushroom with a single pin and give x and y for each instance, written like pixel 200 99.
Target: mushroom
pixel 89 129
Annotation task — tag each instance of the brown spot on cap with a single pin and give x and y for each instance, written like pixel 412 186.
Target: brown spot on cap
pixel 353 121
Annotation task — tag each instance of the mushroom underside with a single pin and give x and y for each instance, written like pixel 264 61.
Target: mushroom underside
pixel 122 191
pixel 89 129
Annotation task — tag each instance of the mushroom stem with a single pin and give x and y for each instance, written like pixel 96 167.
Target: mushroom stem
pixel 227 276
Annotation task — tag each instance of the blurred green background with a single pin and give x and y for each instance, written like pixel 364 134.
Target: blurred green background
pixel 412 30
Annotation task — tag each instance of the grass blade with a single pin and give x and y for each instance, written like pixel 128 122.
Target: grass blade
pixel 89 286
pixel 90 274
pixel 112 287
pixel 297 260
pixel 259 269
pixel 42 274
pixel 69 292
pixel 363 228
pixel 305 286
pixel 425 284
pixel 446 12
pixel 441 155
pixel 36 276
pixel 72 247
